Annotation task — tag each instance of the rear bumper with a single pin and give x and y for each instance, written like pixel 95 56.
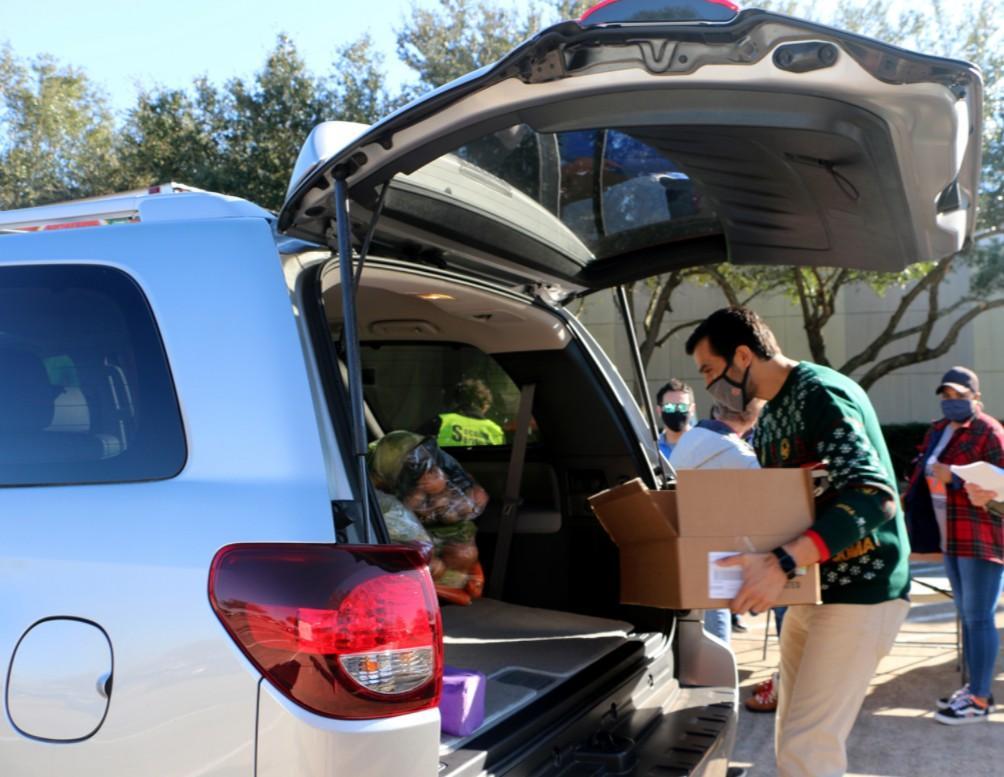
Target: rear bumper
pixel 693 734
pixel 292 742
pixel 633 719
pixel 627 716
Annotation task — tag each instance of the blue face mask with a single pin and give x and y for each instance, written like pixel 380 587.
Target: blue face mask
pixel 958 410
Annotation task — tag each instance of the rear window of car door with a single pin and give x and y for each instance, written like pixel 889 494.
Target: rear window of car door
pixel 86 395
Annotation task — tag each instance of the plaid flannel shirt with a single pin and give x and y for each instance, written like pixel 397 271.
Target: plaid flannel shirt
pixel 972 531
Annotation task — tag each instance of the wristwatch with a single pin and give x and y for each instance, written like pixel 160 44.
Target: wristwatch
pixel 786 561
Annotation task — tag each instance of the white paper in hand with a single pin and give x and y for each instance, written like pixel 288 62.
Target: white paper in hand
pixel 723 582
pixel 982 474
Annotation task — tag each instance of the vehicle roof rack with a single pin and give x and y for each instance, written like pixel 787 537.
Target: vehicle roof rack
pixel 148 204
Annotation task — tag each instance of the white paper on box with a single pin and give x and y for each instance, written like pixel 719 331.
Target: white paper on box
pixel 723 582
pixel 983 474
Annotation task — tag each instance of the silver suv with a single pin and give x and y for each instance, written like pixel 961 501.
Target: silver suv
pixel 197 575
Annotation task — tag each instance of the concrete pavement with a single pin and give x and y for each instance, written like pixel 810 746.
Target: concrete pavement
pixel 895 734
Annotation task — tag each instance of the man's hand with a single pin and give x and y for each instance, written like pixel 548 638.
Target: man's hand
pixel 942 472
pixel 981 497
pixel 763 581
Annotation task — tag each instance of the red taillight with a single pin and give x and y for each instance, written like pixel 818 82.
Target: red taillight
pixel 347 631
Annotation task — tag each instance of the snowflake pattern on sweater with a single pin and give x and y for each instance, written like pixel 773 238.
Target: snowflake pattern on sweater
pixel 823 417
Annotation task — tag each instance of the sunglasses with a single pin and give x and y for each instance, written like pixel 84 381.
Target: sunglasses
pixel 675 407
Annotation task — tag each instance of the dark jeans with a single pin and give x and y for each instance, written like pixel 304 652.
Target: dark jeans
pixel 976 585
pixel 779 618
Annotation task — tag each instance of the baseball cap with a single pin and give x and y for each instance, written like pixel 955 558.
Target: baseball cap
pixel 960 379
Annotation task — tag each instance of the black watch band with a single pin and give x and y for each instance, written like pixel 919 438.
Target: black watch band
pixel 786 561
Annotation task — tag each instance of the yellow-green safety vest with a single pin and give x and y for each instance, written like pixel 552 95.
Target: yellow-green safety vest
pixel 456 429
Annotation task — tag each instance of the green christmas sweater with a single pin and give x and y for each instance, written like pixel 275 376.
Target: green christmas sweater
pixel 822 416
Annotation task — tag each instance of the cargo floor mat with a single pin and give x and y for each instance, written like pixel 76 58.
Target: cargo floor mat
pixel 524 651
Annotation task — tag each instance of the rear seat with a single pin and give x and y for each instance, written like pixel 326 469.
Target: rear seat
pixel 539 512
pixel 41 423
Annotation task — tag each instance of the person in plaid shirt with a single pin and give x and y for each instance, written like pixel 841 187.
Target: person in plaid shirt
pixel 972 537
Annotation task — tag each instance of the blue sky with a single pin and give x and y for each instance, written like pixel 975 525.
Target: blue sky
pixel 122 43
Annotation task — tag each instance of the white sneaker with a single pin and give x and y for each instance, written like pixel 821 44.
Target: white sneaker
pixel 963 710
pixel 947 701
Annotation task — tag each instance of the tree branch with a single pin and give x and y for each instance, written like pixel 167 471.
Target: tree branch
pixel 802 295
pixel 839 279
pixel 820 291
pixel 762 290
pixel 659 305
pixel 917 356
pixel 811 319
pixel 932 315
pixel 723 283
pixel 916 330
pixel 887 335
pixel 686 325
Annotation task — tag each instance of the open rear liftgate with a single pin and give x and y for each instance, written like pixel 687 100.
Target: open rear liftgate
pixel 619 717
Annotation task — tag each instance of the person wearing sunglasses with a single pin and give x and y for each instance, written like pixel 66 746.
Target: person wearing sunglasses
pixel 676 401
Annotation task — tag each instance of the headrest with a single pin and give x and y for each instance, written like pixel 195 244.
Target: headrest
pixel 27 398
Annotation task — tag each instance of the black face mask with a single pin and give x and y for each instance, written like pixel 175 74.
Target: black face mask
pixel 675 422
pixel 730 394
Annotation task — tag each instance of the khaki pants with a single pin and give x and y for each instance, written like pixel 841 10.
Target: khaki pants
pixel 829 654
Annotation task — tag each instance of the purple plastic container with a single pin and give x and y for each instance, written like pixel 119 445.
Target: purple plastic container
pixel 462 705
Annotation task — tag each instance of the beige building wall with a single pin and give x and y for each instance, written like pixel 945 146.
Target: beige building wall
pixel 902 396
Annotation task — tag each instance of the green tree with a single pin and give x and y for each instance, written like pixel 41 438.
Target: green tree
pixel 57 133
pixel 265 121
pixel 174 135
pixel 459 36
pixel 570 9
pixel 243 138
pixel 357 89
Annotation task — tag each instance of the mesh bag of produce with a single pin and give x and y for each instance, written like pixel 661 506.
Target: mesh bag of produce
pixel 431 486
pixel 428 481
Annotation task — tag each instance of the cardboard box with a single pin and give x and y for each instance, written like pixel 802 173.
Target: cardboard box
pixel 665 537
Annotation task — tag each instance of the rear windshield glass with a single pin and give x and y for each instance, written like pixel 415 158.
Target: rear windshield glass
pixel 85 392
pixel 455 393
pixel 590 194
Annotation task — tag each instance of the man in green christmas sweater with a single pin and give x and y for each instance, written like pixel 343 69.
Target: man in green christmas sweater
pixel 816 416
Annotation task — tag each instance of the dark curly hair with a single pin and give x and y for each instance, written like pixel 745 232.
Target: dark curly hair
pixel 728 328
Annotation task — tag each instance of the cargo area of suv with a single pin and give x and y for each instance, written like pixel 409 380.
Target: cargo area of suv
pixel 552 639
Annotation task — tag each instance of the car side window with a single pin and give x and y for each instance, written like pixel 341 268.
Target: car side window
pixel 86 395
pixel 455 393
